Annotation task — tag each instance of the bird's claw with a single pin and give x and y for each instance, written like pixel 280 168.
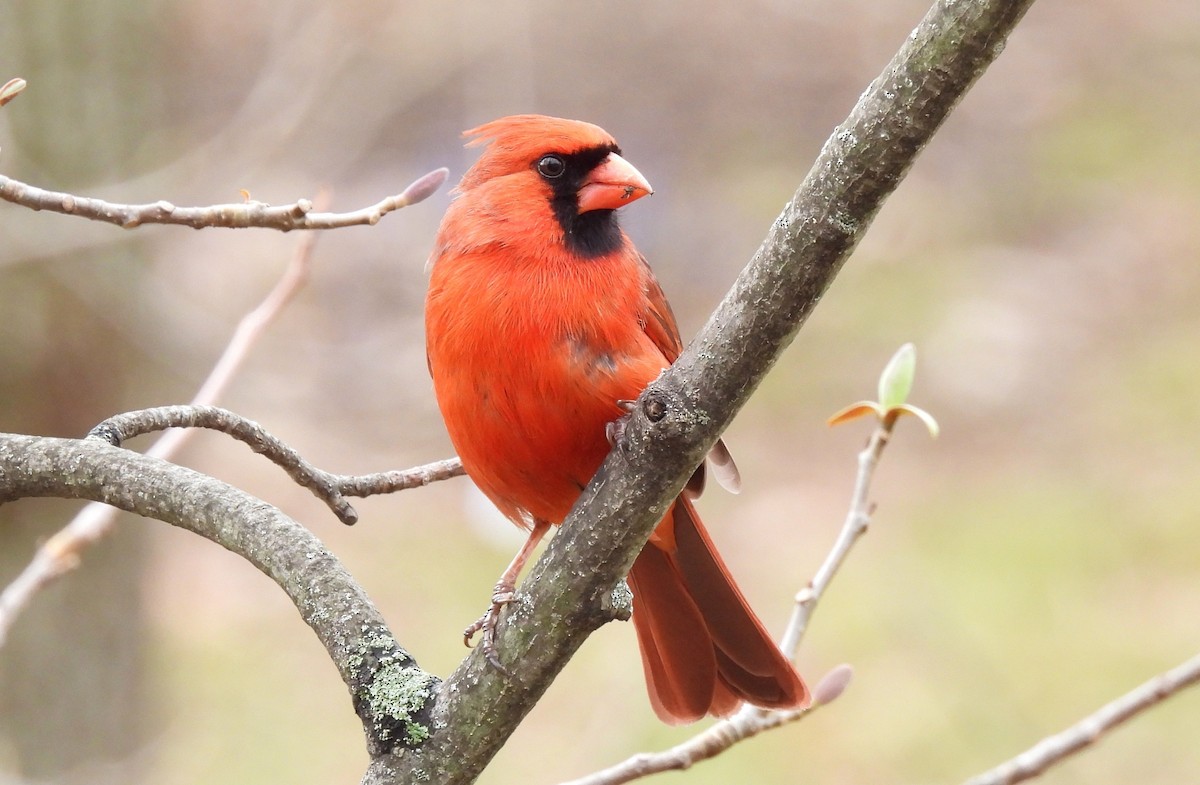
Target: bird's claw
pixel 615 430
pixel 501 596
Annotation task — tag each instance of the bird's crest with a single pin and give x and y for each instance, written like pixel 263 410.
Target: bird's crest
pixel 514 143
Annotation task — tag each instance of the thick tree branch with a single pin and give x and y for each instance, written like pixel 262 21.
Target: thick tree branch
pixel 390 693
pixel 247 214
pixel 564 598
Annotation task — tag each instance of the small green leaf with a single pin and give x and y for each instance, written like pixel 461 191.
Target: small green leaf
pixel 895 383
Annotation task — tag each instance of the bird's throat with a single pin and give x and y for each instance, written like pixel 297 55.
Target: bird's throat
pixel 589 235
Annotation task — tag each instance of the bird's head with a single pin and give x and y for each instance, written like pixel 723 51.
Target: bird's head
pixel 575 168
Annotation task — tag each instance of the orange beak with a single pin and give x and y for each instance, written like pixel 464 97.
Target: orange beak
pixel 614 183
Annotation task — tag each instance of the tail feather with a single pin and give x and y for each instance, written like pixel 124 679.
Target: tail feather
pixel 676 652
pixel 703 649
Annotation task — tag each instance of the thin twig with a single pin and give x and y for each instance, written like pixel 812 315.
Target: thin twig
pixel 119 428
pixel 1057 748
pixel 299 215
pixel 748 722
pixel 707 744
pixel 751 720
pixel 326 486
pixel 400 480
pixel 858 518
pixel 60 554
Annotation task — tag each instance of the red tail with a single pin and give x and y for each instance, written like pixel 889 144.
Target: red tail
pixel 703 649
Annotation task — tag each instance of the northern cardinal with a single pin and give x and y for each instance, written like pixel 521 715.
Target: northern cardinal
pixel 541 319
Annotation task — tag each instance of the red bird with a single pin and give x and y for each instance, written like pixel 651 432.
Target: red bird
pixel 541 319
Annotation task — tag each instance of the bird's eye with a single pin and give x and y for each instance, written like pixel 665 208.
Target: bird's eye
pixel 551 166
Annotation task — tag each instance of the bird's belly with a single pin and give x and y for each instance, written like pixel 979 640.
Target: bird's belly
pixel 530 426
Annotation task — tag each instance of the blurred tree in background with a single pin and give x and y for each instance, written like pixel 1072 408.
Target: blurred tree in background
pixel 74 685
pixel 1040 558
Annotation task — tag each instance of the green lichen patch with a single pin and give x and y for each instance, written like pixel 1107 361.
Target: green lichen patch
pixel 394 696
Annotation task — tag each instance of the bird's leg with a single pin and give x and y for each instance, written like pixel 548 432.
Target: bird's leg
pixel 502 594
pixel 615 430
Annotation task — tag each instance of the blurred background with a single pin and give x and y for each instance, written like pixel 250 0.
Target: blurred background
pixel 1038 559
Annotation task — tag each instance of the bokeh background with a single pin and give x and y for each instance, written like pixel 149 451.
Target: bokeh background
pixel 1039 558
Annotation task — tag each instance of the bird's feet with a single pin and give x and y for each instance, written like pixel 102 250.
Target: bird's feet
pixel 502 595
pixel 615 430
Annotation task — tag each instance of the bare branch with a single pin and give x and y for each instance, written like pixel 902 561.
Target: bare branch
pixel 1057 748
pixel 390 693
pixel 748 722
pixel 115 430
pixel 251 327
pixel 285 218
pixel 858 518
pixel 60 554
pixel 399 480
pixel 388 690
pixel 329 488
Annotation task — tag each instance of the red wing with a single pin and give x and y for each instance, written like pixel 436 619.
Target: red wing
pixel 659 321
pixel 659 324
